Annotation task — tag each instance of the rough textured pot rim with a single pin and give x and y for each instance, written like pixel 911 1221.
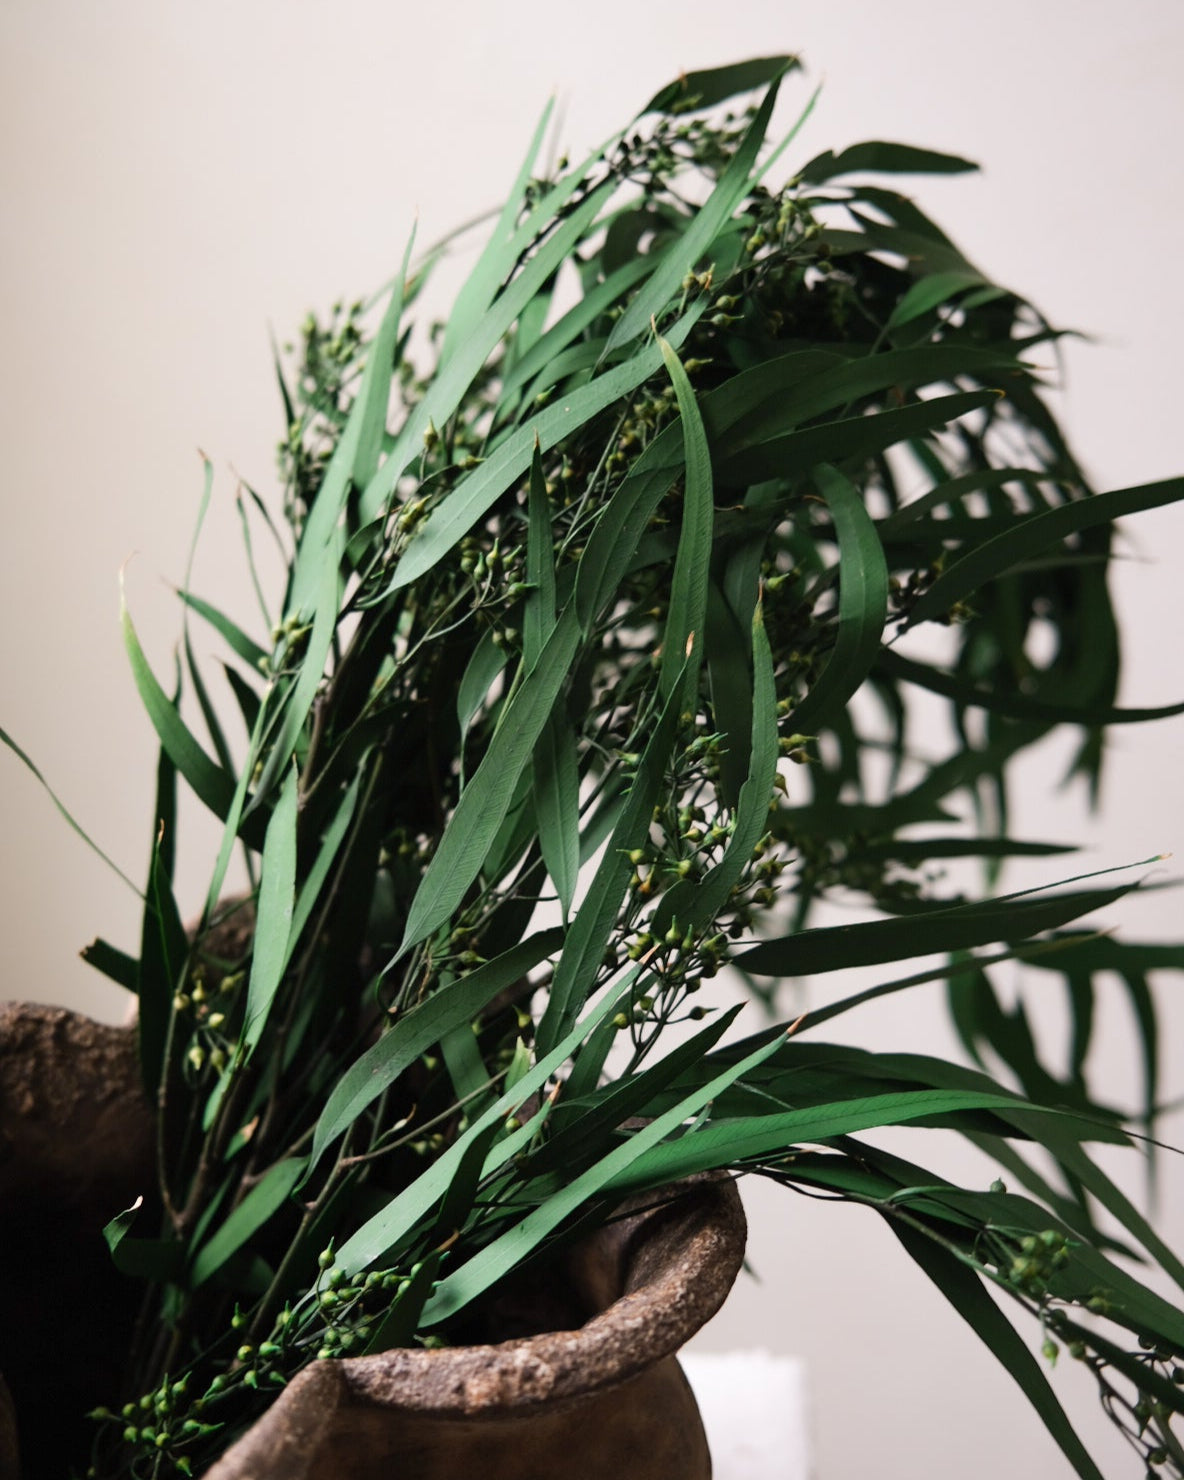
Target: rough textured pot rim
pixel 654 1277
pixel 675 1264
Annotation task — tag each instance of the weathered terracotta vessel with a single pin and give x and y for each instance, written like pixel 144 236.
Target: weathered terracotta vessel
pixel 588 1386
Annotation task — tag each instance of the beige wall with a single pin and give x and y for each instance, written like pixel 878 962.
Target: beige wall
pixel 176 177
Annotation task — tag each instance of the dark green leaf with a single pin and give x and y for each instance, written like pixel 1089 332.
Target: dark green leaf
pixel 876 942
pixel 265 1199
pixel 882 158
pixel 115 964
pixel 863 604
pixel 963 1290
pixel 273 920
pixel 703 90
pixel 682 639
pixel 486 800
pixel 1033 534
pixel 416 1032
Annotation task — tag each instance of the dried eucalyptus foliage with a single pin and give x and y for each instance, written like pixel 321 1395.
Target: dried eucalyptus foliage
pixel 591 676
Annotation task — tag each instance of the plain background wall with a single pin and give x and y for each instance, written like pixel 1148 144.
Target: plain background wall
pixel 177 178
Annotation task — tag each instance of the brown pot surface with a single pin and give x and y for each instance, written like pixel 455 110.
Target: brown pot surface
pixel 604 1400
pixel 76 1147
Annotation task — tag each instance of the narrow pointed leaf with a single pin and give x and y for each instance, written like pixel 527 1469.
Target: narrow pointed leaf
pixel 863 604
pixel 963 1289
pixel 876 157
pixel 1033 534
pixel 556 787
pixel 208 781
pixel 700 91
pixel 696 240
pixel 268 1195
pixel 498 1258
pixel 876 942
pixel 273 920
pixel 486 800
pixel 415 1033
pixel 6 739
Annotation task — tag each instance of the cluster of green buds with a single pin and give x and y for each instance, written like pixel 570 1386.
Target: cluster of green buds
pixel 328 358
pixel 338 1317
pixel 288 640
pixel 164 1426
pixel 1144 1405
pixel 206 1014
pixel 1036 1259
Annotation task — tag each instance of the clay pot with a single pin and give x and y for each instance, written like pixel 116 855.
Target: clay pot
pixel 588 1386
pixel 76 1147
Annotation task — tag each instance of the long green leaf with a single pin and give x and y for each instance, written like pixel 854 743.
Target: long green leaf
pixel 1033 534
pixel 863 604
pixel 583 951
pixel 235 637
pixel 539 617
pixel 204 776
pixel 480 489
pixel 931 292
pixel 682 639
pixel 486 800
pixel 384 1230
pixel 273 918
pixel 878 157
pixel 725 1142
pixel 412 1035
pixel 695 905
pixel 876 942
pixel 895 665
pixel 265 1199
pixel 702 90
pixel 666 279
pixel 455 377
pixel 556 787
pixel 7 739
pixel 496 1259
pixel 845 440
pixel 496 259
pixel 299 700
pixel 320 536
pixel 963 1289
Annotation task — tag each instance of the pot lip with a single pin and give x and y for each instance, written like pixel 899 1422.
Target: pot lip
pixel 680 1260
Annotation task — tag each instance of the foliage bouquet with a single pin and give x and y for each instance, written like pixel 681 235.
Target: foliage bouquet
pixel 592 673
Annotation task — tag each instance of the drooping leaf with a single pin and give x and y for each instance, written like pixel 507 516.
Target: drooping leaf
pixel 707 89
pixel 257 1208
pixel 876 157
pixel 1032 535
pixel 486 800
pixel 273 916
pixel 863 604
pixel 963 1290
pixel 414 1034
pixel 875 942
pixel 7 740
